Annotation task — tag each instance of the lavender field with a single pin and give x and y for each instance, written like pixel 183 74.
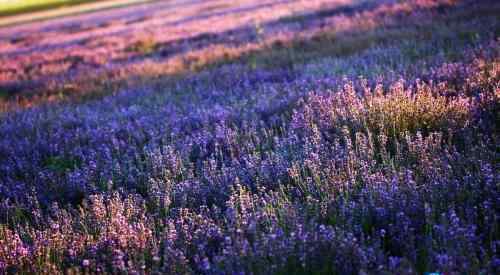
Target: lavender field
pixel 253 137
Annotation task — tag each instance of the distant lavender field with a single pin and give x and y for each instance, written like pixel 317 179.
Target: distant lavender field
pixel 253 137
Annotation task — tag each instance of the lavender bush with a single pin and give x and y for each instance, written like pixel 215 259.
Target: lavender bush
pixel 369 147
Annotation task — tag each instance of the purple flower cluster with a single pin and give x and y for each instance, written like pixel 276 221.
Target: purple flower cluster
pixel 239 170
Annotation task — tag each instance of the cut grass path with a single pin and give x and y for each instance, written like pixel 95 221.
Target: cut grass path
pixel 24 11
pixel 16 7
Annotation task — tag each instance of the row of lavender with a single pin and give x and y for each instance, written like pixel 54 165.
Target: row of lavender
pixel 267 172
pixel 90 56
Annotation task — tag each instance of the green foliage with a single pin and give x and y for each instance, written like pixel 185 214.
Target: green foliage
pixel 400 111
pixel 61 164
pixel 144 46
pixel 4 95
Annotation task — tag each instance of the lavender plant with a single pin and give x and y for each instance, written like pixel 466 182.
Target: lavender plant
pixel 381 160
